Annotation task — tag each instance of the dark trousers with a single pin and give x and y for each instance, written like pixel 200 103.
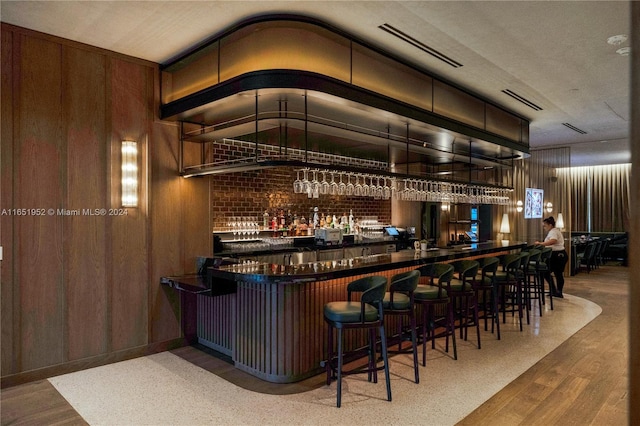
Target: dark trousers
pixel 556 266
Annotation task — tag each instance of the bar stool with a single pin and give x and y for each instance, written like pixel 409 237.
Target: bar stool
pixel 523 273
pixel 532 282
pixel 485 286
pixel 367 314
pixel 543 269
pixel 398 301
pixel 509 283
pixel 463 294
pixel 435 292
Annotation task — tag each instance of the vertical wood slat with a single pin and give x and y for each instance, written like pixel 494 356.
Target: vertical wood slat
pixel 78 287
pixel 39 173
pixel 216 322
pixel 85 242
pixel 8 308
pixel 166 217
pixel 280 330
pixel 130 91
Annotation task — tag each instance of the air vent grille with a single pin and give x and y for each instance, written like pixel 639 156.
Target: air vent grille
pixel 574 128
pixel 522 99
pixel 420 45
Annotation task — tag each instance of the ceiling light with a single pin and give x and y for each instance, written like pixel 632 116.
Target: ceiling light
pixel 617 40
pixel 624 51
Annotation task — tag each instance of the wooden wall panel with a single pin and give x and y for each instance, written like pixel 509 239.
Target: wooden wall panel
pixel 197 221
pixel 78 291
pixel 40 175
pixel 131 88
pixel 86 235
pixel 166 216
pixel 7 286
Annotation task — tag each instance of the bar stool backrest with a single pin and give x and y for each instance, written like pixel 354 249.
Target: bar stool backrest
pixel 534 255
pixel 546 254
pixel 443 272
pixel 405 282
pixel 489 266
pixel 466 270
pixel 511 263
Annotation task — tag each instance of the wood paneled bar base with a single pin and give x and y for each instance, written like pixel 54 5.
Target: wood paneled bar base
pixel 272 326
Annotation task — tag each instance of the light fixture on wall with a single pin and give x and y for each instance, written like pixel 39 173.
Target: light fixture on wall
pixel 129 174
pixel 445 207
pixel 549 207
pixel 560 222
pixel 519 206
pixel 505 228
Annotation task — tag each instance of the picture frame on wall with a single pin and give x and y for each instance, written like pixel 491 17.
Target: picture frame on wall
pixel 533 203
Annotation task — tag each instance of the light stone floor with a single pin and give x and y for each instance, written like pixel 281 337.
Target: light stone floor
pixel 164 389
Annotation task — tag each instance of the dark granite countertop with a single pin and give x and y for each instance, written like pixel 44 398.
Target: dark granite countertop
pixel 330 269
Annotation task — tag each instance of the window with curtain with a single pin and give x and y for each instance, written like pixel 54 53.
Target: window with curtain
pixel 600 197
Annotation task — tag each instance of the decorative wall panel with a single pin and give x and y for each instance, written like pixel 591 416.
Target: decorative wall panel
pixel 79 289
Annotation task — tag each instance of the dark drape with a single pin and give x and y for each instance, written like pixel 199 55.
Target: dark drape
pixel 600 198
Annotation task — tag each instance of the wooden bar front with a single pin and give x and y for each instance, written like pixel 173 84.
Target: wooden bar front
pixel 273 325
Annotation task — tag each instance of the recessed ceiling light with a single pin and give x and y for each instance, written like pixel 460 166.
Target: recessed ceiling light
pixel 624 51
pixel 616 40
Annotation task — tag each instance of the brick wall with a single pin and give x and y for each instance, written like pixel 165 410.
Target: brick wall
pixel 251 193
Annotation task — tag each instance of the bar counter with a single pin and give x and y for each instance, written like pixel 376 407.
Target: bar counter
pixel 271 323
pixel 331 269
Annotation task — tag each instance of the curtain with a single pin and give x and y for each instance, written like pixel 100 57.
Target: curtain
pixel 540 171
pixel 601 196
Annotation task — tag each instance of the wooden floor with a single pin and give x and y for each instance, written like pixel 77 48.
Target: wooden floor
pixel 584 381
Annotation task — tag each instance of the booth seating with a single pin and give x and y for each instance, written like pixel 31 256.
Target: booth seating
pixel 617 248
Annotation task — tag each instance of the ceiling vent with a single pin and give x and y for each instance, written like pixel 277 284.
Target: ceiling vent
pixel 420 45
pixel 574 128
pixel 524 100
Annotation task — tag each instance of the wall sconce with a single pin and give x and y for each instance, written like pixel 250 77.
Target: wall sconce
pixel 560 222
pixel 505 228
pixel 445 207
pixel 519 207
pixel 129 174
pixel 549 207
